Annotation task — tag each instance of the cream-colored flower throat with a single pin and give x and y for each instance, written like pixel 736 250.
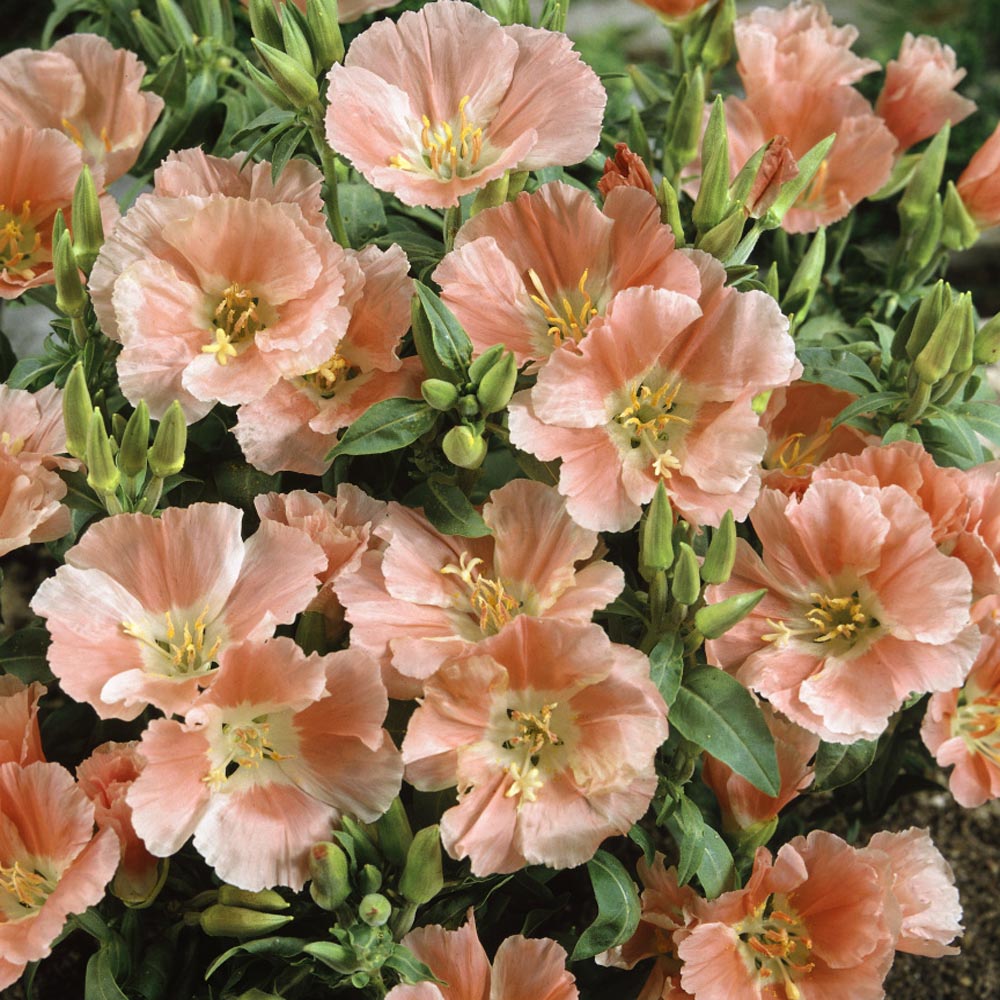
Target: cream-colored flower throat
pixel 23 889
pixel 236 321
pixel 20 243
pixel 182 646
pixel 775 944
pixel 486 599
pixel 449 148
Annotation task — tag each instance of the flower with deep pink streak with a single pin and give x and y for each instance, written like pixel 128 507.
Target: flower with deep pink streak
pixel 813 923
pixel 267 761
pixel 535 274
pixel 918 97
pixel 843 636
pixel 425 597
pixel 444 100
pixel 144 606
pixel 549 731
pixel 86 89
pixel 51 862
pixel 522 967
pixel 660 390
pixel 20 738
pixel 979 183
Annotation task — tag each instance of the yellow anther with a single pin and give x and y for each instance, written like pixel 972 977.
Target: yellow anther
pixel 797 454
pixel 449 148
pixel 222 347
pixel 486 598
pixel 524 782
pixel 569 325
pixel 29 888
pixel 179 659
pixel 236 322
pixel 330 375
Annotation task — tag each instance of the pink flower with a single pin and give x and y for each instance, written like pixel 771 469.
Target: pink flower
pixel 523 967
pixel 660 391
pixel 30 510
pixel 444 100
pixel 104 777
pixel 31 427
pixel 206 308
pixel 295 425
pixel 923 886
pixel 812 924
pixel 674 8
pixel 977 541
pixel 918 96
pixel 86 89
pixel 144 606
pixel 979 183
pixel 51 862
pixel 267 761
pixel 843 636
pixel 549 731
pixel 745 807
pixel 535 273
pixel 428 597
pixel 20 740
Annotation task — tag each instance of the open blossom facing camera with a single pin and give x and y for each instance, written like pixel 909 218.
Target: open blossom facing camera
pixel 278 749
pixel 549 730
pixel 144 607
pixel 444 100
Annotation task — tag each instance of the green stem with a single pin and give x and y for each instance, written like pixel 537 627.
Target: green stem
pixel 452 224
pixel 328 161
pixel 918 403
pixel 79 330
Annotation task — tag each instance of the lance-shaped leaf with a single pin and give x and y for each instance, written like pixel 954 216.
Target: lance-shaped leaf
pixel 618 907
pixel 386 426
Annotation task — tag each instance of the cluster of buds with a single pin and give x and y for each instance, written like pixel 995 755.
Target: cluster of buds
pixel 123 469
pixel 552 16
pixel 173 36
pixel 233 912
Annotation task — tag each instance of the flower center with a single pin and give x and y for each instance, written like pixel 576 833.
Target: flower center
pixel 648 417
pixel 19 241
pixel 978 723
pixel 103 140
pixel 814 196
pixel 568 320
pixel 13 446
pixel 841 619
pixel 798 453
pixel 775 943
pixel 533 732
pixel 245 745
pixel 23 891
pixel 180 652
pixel 330 375
pixel 236 321
pixel 487 599
pixel 449 149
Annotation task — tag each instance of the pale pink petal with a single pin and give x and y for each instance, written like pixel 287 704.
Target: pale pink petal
pixel 536 968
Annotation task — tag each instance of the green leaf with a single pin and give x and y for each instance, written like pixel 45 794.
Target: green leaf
pixel 950 439
pixel 841 763
pixel 837 368
pixel 362 212
pixel 715 711
pixel 100 982
pixel 284 149
pixel 717 870
pixel 617 907
pixel 873 402
pixel 280 947
pixel 451 511
pixel 272 116
pixel 170 81
pixel 666 665
pixel 408 967
pixel 386 426
pixel 983 418
pixel 449 341
pixel 23 655
pixel 640 835
pixel 687 826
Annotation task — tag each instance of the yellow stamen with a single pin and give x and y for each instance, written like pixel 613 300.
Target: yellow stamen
pixel 181 659
pixel 570 325
pixel 829 619
pixel 330 375
pixel 797 454
pixel 648 417
pixel 249 746
pixel 72 131
pixel 449 149
pixel 236 322
pixel 19 242
pixel 29 888
pixel 978 723
pixel 487 599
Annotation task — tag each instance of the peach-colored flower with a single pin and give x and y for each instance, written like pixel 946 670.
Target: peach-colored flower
pixel 31 427
pixel 428 597
pixel 87 89
pixel 918 96
pixel 977 542
pixel 206 307
pixel 660 391
pixel 798 420
pixel 522 967
pixel 444 100
pixel 20 739
pixel 51 862
pixel 744 806
pixel 979 183
pixel 535 273
pixel 923 886
pixel 295 425
pixel 627 169
pixel 962 728
pixel 104 777
pixel 674 8
pixel 548 730
pixel 145 606
pixel 812 924
pixel 267 761
pixel 843 636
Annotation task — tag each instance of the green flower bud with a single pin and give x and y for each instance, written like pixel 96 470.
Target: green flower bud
pixel 963 360
pixel 103 476
pixel 267 87
pixel 903 331
pixel 807 278
pixel 369 879
pixel 88 229
pixel 58 227
pixel 925 182
pixel 721 241
pixel 264 22
pixel 986 347
pixel 637 138
pixel 684 122
pixel 330 874
pixel 670 210
pixel 364 847
pixel 935 360
pixel 958 229
pixel 712 203
pixel 209 19
pixel 375 909
pixel 497 385
pixel 151 36
pixel 266 900
pixel 685 585
pixel 927 240
pixel 715 619
pixel 175 25
pixel 718 48
pixel 656 547
pixel 294 81
pixel 463 447
pixel 422 879
pixel 771 282
pixel 310 633
pixel 328 43
pixel 468 406
pixel 485 362
pixel 237 921
pixel 394 833
pixel 77 412
pixel 166 457
pixel 491 195
pixel 135 442
pixel 71 299
pixel 932 308
pixel 438 393
pixel 810 164
pixel 721 554
pixel 294 40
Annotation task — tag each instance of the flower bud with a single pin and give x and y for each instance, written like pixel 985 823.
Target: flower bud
pixel 175 25
pixel 103 476
pixel 809 165
pixel 375 909
pixel 491 195
pixel 369 879
pixel 328 869
pixel 463 447
pixel 294 81
pixel 336 956
pixel 364 847
pixel 294 40
pixel 394 833
pixel 638 137
pixel 422 879
pixel 656 547
pixel 497 385
pixel 166 457
pixel 715 619
pixel 963 359
pixel 925 182
pixel 77 412
pixel 927 239
pixel 723 239
pixel 266 900
pixel 807 278
pixel 986 346
pixel 932 308
pixel 718 48
pixel 935 359
pixel 439 394
pixel 721 554
pixel 958 229
pixel 324 28
pixel 88 228
pixel 684 123
pixel 685 585
pixel 267 87
pixel 485 362
pixel 71 299
pixel 712 203
pixel 237 921
pixel 670 210
pixel 135 442
pixel 626 170
pixel 151 36
pixel 776 168
pixel 264 22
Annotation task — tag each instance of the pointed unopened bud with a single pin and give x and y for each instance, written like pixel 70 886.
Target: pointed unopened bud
pixel 638 138
pixel 151 36
pixel 71 299
pixel 239 922
pixel 394 833
pixel 927 240
pixel 135 442
pixel 175 25
pixel 264 22
pixel 932 308
pixel 266 900
pixel 656 547
pixel 712 203
pixel 103 476
pixel 925 182
pixel 463 447
pixel 986 347
pixel 497 385
pixel 267 87
pixel 718 48
pixel 330 874
pixel 807 278
pixel 958 229
pixel 166 457
pixel 935 359
pixel 723 239
pixel 88 227
pixel 715 619
pixel 721 554
pixel 685 120
pixel 369 879
pixel 685 584
pixel 963 359
pixel 294 40
pixel 58 227
pixel 77 412
pixel 670 211
pixel 812 168
pixel 324 28
pixel 422 878
pixel 295 82
pixel 485 362
pixel 438 393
